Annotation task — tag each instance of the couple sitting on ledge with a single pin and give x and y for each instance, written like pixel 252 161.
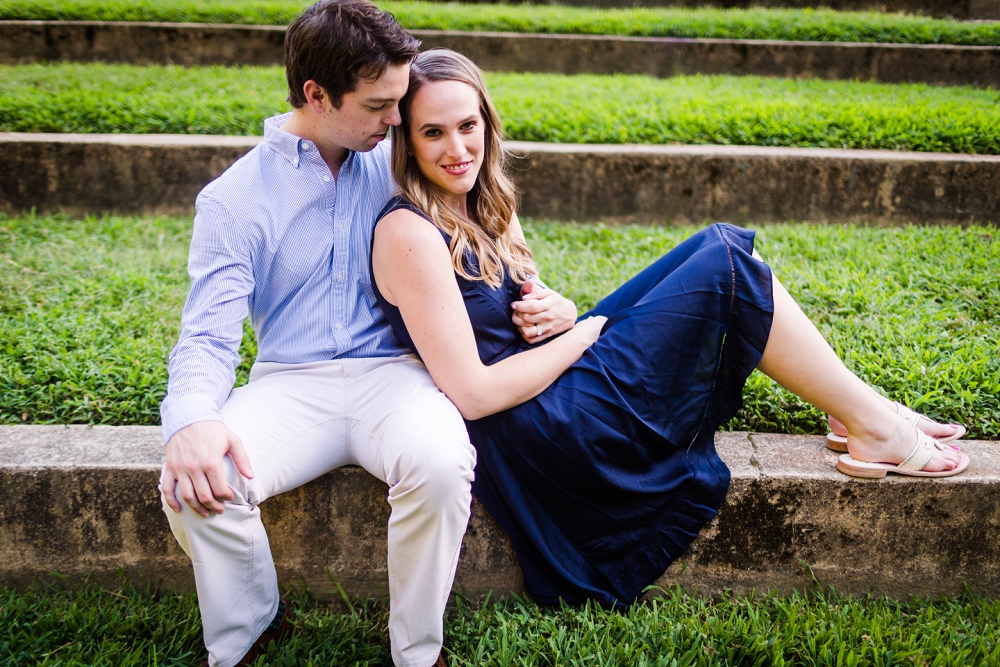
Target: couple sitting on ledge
pixel 402 326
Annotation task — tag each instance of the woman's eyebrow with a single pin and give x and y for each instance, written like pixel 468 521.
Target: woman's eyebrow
pixel 437 125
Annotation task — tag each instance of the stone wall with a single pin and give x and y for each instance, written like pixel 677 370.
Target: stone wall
pixel 80 500
pixel 147 174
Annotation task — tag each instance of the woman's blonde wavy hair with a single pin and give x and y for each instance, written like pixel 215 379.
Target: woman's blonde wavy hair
pixel 492 202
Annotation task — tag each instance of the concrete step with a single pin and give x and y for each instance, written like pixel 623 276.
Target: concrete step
pixel 207 44
pixel 79 500
pixel 146 174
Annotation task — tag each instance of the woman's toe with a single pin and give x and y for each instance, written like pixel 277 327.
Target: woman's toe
pixel 943 460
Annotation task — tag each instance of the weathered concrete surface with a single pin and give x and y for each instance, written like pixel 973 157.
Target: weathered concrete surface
pixel 899 535
pixel 666 57
pixel 204 44
pixel 81 500
pixel 138 174
pixel 749 184
pixel 144 174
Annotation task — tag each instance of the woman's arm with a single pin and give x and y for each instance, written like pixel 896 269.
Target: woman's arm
pixel 413 271
pixel 540 309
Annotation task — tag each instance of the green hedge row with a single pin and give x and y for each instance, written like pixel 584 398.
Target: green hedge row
pixel 129 628
pixel 89 310
pixel 788 24
pixel 535 107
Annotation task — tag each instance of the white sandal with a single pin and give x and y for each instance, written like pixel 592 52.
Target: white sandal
pixel 838 443
pixel 912 466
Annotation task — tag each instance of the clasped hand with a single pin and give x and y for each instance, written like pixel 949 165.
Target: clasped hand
pixel 542 313
pixel 194 470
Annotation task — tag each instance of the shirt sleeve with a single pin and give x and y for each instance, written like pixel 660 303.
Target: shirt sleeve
pixel 202 365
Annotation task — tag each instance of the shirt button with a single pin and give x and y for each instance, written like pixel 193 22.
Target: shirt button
pixel 326 179
pixel 340 276
pixel 307 145
pixel 338 326
pixel 340 225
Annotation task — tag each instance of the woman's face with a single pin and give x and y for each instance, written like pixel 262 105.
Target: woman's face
pixel 448 136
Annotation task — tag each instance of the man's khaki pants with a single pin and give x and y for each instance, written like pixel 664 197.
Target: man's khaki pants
pixel 300 421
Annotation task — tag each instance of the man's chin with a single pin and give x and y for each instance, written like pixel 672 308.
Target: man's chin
pixel 370 143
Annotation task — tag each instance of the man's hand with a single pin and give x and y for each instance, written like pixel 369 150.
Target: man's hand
pixel 194 471
pixel 542 313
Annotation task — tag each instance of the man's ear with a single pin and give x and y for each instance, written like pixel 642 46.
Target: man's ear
pixel 316 97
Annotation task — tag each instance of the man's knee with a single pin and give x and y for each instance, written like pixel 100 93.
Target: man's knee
pixel 437 471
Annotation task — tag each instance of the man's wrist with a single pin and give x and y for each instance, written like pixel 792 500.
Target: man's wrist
pixel 177 413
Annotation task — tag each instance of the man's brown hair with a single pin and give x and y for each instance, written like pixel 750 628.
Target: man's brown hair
pixel 337 42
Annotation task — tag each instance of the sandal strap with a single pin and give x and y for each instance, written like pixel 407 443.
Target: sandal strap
pixel 909 416
pixel 922 452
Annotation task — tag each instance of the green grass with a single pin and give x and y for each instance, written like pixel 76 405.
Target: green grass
pixel 758 23
pixel 89 310
pixel 534 107
pixel 124 628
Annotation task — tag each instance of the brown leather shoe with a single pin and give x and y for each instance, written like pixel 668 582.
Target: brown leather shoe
pixel 258 648
pixel 440 662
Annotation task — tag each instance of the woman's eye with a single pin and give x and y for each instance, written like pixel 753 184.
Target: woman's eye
pixel 468 126
pixel 432 133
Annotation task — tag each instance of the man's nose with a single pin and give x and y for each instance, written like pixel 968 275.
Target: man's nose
pixel 393 118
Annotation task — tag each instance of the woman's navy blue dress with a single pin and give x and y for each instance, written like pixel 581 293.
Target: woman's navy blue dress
pixel 606 477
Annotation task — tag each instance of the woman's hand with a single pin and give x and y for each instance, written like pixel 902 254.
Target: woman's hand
pixel 542 313
pixel 589 330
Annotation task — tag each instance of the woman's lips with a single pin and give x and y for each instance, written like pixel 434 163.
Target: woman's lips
pixel 457 169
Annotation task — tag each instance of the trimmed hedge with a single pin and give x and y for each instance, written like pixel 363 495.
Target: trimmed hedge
pixel 823 25
pixel 536 107
pixel 89 310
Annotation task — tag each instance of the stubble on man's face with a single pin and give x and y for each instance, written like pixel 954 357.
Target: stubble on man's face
pixel 367 112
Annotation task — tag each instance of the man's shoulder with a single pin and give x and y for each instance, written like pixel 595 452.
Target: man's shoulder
pixel 239 181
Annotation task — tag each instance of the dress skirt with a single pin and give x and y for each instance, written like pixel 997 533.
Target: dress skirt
pixel 607 476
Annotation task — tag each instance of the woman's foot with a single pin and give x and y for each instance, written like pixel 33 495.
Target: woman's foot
pixel 893 442
pixel 940 432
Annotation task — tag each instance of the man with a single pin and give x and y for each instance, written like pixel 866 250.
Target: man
pixel 284 237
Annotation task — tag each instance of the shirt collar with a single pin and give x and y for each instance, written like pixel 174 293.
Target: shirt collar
pixel 287 145
pixel 283 143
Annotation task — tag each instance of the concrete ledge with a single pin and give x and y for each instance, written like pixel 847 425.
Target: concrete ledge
pixel 205 44
pixel 81 500
pixel 147 174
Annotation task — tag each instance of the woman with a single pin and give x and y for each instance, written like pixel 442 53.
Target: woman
pixel 595 437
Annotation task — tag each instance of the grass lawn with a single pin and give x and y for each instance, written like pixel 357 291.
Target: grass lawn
pixel 89 310
pixel 757 23
pixel 130 628
pixel 536 107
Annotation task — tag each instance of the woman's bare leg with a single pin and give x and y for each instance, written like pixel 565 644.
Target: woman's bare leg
pixel 799 359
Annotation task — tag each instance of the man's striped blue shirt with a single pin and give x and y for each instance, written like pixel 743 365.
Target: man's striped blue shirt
pixel 278 238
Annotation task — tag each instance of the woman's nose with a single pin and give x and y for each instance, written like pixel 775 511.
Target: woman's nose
pixel 456 147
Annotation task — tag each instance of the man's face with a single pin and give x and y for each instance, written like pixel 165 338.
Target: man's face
pixel 365 114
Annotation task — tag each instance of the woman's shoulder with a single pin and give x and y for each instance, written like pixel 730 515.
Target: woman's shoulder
pixel 402 217
pixel 403 228
pixel 399 202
